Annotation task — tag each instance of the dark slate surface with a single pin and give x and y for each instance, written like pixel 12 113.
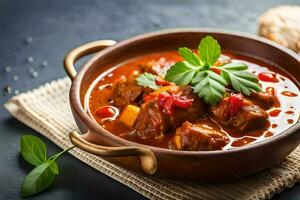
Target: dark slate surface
pixel 57 26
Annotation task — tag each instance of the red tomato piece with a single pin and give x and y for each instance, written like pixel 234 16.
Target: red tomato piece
pixel 105 112
pixel 167 102
pixel 268 77
pixel 183 102
pixel 235 103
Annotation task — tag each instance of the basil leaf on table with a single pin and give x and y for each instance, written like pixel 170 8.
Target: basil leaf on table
pixel 209 50
pixel 54 168
pixel 33 149
pixel 38 179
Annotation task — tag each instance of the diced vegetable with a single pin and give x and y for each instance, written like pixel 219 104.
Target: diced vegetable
pixel 166 88
pixel 177 141
pixel 268 77
pixel 106 112
pixel 129 115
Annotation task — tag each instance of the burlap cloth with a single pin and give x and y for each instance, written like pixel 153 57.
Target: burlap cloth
pixel 47 110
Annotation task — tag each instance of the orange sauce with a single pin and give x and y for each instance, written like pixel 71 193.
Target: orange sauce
pixel 289 112
pixel 289 94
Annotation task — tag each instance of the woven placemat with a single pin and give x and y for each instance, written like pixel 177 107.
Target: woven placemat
pixel 47 110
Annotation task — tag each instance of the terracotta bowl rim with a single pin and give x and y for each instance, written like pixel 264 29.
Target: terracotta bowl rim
pixel 95 127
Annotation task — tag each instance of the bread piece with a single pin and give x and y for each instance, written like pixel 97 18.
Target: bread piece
pixel 282 25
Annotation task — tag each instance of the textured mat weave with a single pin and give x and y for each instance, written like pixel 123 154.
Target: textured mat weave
pixel 46 110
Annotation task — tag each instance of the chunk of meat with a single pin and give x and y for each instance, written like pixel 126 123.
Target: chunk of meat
pixel 264 100
pixel 249 117
pixel 127 92
pixel 197 110
pixel 159 67
pixel 151 123
pixel 201 136
pixel 223 59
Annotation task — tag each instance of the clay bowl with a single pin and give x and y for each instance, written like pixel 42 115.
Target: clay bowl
pixel 182 165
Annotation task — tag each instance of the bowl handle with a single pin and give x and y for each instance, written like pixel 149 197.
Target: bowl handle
pixel 147 157
pixel 81 51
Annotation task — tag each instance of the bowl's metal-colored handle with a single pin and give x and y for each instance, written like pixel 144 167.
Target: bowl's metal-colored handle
pixel 81 51
pixel 147 157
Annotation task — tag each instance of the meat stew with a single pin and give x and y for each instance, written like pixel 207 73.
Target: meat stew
pixel 173 116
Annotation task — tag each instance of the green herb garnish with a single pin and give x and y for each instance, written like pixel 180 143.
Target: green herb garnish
pixel 33 151
pixel 240 79
pixel 147 80
pixel 197 71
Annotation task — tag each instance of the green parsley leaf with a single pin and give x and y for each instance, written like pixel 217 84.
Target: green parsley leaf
pixel 181 73
pixel 209 50
pixel 147 80
pixel 38 179
pixel 240 79
pixel 210 86
pixel 189 56
pixel 33 149
pixel 196 70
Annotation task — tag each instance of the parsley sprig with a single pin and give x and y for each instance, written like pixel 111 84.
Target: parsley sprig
pixel 196 69
pixel 147 80
pixel 33 150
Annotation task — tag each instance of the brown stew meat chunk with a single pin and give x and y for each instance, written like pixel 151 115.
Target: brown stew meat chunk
pixel 128 92
pixel 159 67
pixel 198 137
pixel 196 111
pixel 151 123
pixel 264 100
pixel 248 117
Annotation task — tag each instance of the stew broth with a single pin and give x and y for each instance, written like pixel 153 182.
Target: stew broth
pixel 272 80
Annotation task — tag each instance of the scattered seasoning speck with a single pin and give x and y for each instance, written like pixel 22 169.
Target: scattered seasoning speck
pixel 34 74
pixel 15 77
pixel 44 63
pixel 17 92
pixel 30 59
pixel 30 70
pixel 29 40
pixel 7 69
pixel 7 89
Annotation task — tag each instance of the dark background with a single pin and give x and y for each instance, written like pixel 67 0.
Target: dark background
pixel 57 26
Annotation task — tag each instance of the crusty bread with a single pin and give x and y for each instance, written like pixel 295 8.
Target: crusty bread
pixel 282 24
